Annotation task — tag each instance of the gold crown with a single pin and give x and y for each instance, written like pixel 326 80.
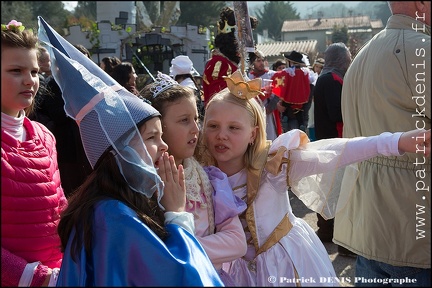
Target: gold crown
pixel 226 29
pixel 242 89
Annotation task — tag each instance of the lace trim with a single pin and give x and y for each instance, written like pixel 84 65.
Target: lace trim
pixel 198 186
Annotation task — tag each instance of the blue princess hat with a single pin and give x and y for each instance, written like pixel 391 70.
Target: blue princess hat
pixel 107 114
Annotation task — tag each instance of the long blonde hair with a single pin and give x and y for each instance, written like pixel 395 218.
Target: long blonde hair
pixel 257 118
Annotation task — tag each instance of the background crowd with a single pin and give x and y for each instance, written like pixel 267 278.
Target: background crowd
pixel 186 181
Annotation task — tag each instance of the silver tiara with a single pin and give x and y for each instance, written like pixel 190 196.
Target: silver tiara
pixel 162 83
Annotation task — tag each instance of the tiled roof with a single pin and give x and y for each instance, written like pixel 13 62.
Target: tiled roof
pixel 328 23
pixel 272 49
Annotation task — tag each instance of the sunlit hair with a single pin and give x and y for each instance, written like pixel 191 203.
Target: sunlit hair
pixel 42 53
pixel 121 73
pixel 20 39
pixel 110 63
pixel 257 118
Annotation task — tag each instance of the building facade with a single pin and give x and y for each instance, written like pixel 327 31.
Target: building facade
pixel 151 50
pixel 361 28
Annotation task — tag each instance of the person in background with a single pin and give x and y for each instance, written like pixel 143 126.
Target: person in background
pixel 279 65
pixel 316 68
pixel 312 80
pixel 32 197
pixel 269 101
pixel 108 63
pixel 318 65
pixel 124 73
pixel 259 171
pixel 183 72
pixel 328 115
pixel 73 164
pixel 208 195
pixel 225 58
pixel 388 88
pixel 291 85
pixel 37 114
pixel 126 225
pixel 44 61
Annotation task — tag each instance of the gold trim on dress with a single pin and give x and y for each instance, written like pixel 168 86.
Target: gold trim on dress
pixel 278 233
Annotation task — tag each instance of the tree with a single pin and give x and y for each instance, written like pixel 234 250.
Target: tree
pixel 193 13
pixel 53 12
pixel 86 9
pixel 340 34
pixel 272 16
pixel 20 11
pixel 27 11
pixel 156 13
pixel 383 12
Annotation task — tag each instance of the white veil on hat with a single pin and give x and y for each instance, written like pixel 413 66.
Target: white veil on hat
pixel 107 114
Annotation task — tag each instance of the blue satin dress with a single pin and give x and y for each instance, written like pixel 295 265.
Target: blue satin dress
pixel 125 252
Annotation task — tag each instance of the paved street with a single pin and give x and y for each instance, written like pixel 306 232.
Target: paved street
pixel 344 266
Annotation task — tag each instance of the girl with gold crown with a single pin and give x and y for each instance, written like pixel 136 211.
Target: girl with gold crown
pixel 284 250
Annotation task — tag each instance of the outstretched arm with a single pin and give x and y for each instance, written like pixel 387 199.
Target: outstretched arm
pixel 416 141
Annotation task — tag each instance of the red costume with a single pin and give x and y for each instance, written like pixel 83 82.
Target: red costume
pixel 217 67
pixel 293 88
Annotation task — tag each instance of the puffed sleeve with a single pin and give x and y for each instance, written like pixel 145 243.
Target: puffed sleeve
pixel 315 170
pixel 226 204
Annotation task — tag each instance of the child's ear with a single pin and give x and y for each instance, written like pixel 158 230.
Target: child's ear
pixel 254 134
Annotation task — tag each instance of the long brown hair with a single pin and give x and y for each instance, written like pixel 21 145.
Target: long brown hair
pixel 105 182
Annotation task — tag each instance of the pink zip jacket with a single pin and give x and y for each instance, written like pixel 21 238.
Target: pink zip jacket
pixel 31 202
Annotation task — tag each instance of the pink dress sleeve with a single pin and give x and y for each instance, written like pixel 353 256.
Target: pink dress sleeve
pixel 227 244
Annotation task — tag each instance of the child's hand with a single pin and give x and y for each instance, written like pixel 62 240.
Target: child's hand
pixel 415 141
pixel 174 198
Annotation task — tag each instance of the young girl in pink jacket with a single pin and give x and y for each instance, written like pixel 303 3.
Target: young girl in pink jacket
pixel 31 194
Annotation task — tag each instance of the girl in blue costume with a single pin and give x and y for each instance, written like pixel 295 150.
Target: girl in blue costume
pixel 126 225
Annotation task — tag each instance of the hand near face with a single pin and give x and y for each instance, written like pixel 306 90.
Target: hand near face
pixel 174 198
pixel 416 141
